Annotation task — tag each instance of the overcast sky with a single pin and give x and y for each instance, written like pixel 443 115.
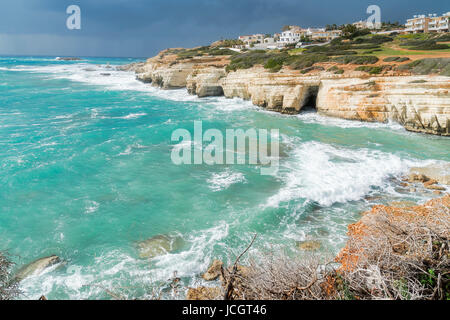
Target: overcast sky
pixel 141 28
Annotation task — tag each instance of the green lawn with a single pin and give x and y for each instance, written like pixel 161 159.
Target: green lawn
pixel 386 51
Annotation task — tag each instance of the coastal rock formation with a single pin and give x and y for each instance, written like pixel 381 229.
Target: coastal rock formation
pixel 214 271
pixel 419 103
pixel 203 293
pixel 36 267
pixel 438 172
pixel 418 106
pixel 168 72
pixel 205 82
pixel 284 92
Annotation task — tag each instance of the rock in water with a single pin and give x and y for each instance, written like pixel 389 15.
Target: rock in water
pixel 437 172
pixel 37 267
pixel 214 271
pixel 158 245
pixel 68 59
pixel 309 245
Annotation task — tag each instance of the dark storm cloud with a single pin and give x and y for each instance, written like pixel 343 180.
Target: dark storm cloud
pixel 141 28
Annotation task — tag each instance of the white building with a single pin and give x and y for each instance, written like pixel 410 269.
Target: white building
pixel 432 23
pixel 293 35
pixel 252 39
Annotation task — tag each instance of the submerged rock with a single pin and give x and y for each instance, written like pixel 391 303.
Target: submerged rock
pixel 402 204
pixel 68 59
pixel 36 267
pixel 310 245
pixel 159 245
pixel 214 271
pixel 434 187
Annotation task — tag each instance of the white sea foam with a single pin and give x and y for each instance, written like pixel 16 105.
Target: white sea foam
pixel 134 115
pixel 194 260
pixel 123 80
pixel 327 174
pixel 313 117
pixel 91 207
pixel 114 269
pixel 223 180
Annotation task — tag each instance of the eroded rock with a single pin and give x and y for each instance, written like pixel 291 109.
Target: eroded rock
pixel 37 267
pixel 203 293
pixel 214 271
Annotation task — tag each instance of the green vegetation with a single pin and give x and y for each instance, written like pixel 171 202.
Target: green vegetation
pixel 444 38
pixel 356 59
pixel 429 44
pixel 429 66
pixel 373 38
pixel 360 48
pixel 274 64
pixel 271 60
pixel 274 60
pixel 350 31
pixel 200 51
pixel 306 60
pixel 370 69
pixel 418 81
pixel 396 59
pixel 335 70
pixel 228 43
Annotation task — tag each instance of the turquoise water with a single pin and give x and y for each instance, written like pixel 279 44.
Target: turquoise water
pixel 86 173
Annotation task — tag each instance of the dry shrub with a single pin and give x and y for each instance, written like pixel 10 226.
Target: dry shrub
pixel 392 253
pixel 279 277
pixel 8 286
pixel 399 253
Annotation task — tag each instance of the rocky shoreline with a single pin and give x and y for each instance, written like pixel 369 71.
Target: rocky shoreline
pixel 419 103
pixel 388 246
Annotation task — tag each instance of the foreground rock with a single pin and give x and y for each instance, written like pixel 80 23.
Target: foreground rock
pixel 214 271
pixel 37 267
pixel 159 245
pixel 438 172
pixel 203 293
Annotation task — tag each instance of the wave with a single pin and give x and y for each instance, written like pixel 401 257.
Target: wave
pixel 223 180
pixel 115 270
pixel 314 117
pixel 327 174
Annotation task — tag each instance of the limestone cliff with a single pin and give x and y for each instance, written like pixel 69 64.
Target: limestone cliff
pixel 419 103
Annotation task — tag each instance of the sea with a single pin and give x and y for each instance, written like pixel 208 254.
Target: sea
pixel 86 174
